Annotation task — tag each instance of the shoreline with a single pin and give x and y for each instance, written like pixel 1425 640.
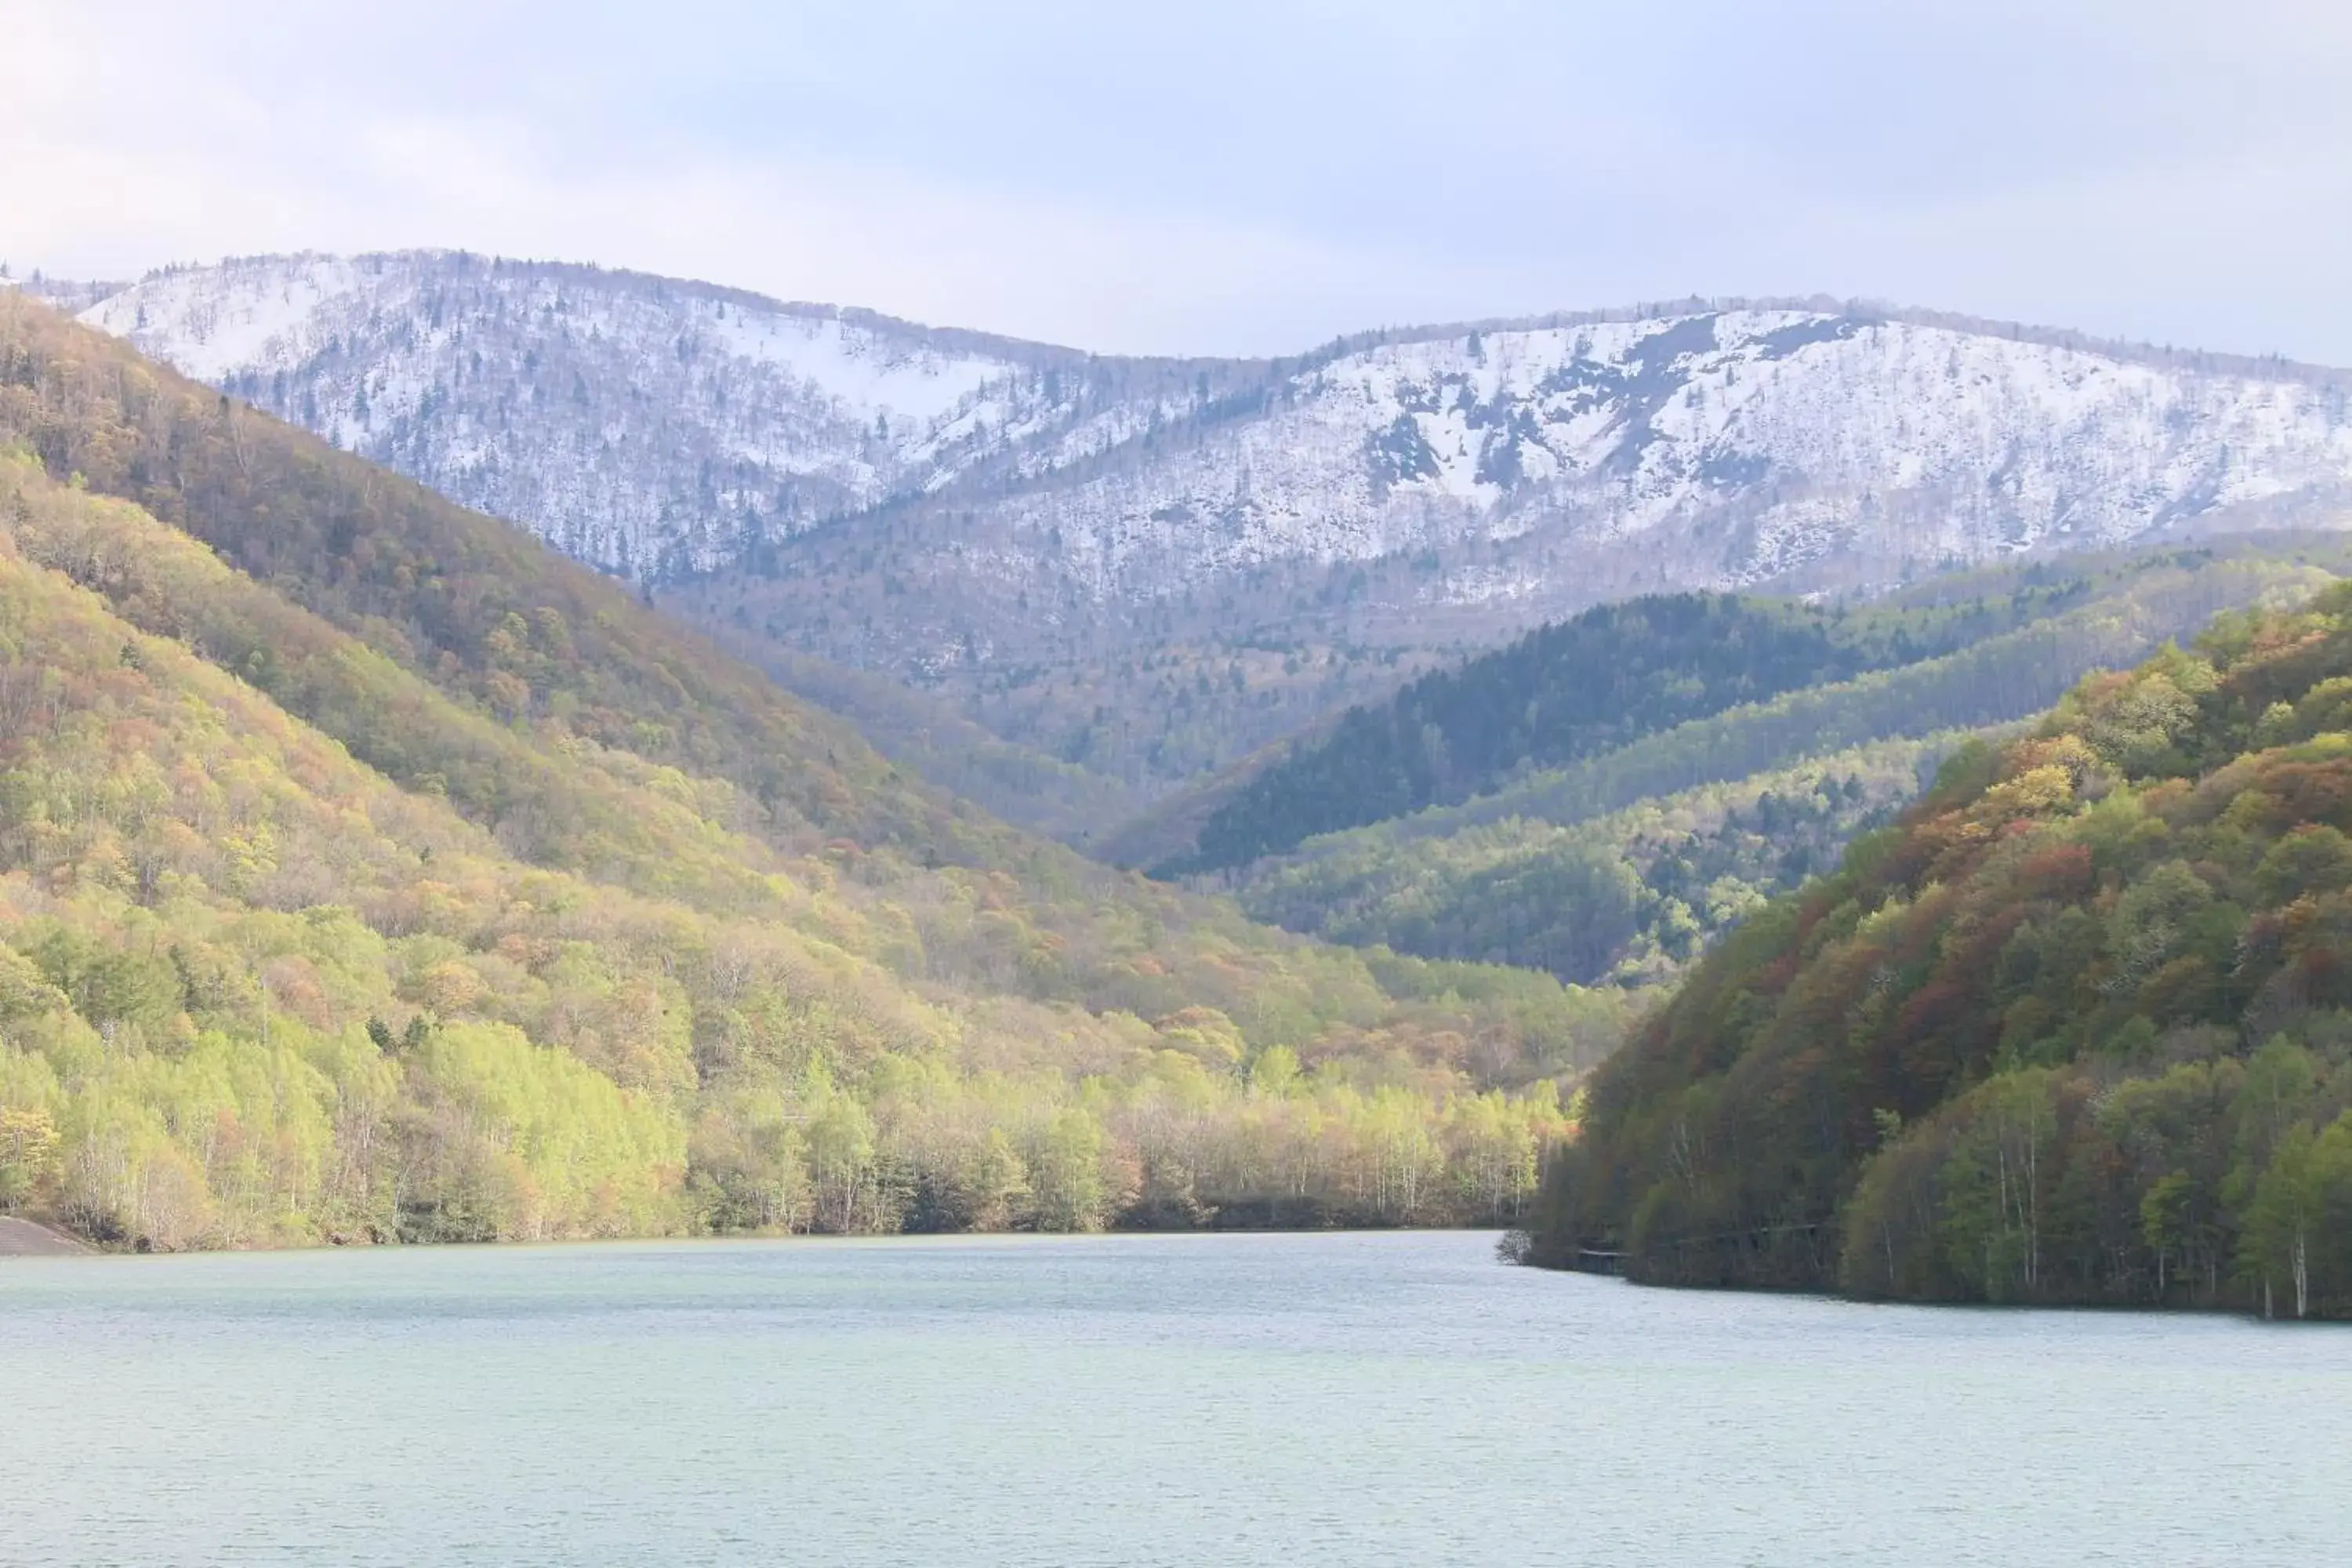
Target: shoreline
pixel 34 1239
pixel 22 1237
pixel 1941 1303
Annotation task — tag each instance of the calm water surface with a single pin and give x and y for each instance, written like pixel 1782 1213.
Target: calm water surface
pixel 1285 1400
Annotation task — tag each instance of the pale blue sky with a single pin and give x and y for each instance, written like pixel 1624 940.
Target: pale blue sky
pixel 1235 177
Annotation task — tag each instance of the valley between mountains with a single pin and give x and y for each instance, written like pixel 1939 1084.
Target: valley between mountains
pixel 513 749
pixel 371 872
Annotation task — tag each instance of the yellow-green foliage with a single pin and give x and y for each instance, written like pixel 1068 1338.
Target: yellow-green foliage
pixel 300 941
pixel 563 1149
pixel 1628 898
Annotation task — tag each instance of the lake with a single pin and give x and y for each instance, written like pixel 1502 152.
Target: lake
pixel 1296 1400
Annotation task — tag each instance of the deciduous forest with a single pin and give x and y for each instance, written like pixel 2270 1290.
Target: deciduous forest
pixel 1620 866
pixel 2076 1029
pixel 369 872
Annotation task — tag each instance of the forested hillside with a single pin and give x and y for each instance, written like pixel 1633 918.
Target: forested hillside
pixel 928 738
pixel 1623 899
pixel 1621 864
pixel 2078 1029
pixel 368 871
pixel 1591 684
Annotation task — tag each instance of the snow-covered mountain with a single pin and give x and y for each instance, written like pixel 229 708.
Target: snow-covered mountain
pixel 650 426
pixel 1789 434
pixel 971 509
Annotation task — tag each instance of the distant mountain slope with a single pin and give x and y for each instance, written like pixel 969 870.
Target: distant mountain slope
pixel 1590 684
pixel 2078 1029
pixel 916 729
pixel 1627 897
pixel 69 295
pixel 1562 867
pixel 377 871
pixel 479 609
pixel 1689 450
pixel 646 425
pixel 1005 522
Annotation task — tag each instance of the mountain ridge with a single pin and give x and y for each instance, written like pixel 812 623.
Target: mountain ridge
pixel 1015 527
pixel 85 293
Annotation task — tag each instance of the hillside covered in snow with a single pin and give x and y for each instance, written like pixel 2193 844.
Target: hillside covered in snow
pixel 1003 521
pixel 648 426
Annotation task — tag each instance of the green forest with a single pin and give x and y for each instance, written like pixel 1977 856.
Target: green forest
pixel 2076 1029
pixel 1626 899
pixel 1584 686
pixel 367 873
pixel 1618 868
